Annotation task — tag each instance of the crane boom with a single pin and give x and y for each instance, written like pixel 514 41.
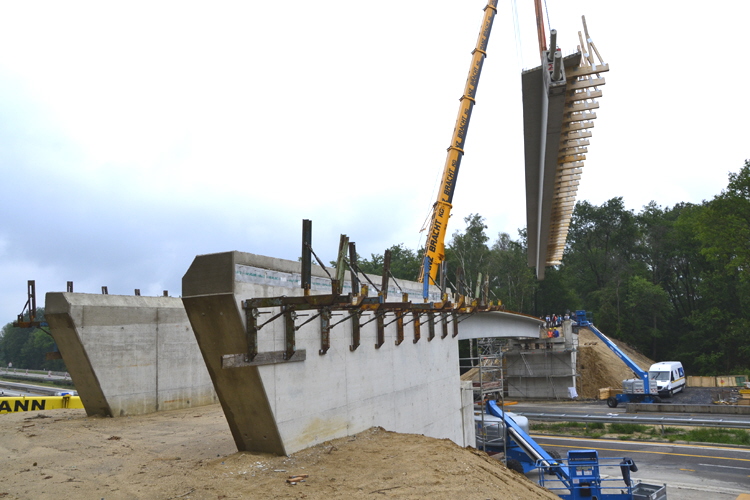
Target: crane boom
pixel 435 246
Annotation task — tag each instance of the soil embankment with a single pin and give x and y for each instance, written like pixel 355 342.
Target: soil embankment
pixel 599 367
pixel 190 454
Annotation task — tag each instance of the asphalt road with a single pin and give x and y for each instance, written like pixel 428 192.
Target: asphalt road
pixel 691 472
pixel 20 389
pixel 601 408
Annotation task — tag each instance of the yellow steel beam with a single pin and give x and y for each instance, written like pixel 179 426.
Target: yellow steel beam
pixel 16 404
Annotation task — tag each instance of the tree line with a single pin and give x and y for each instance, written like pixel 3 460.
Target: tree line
pixel 673 282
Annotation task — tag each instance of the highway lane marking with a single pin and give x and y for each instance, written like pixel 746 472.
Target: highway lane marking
pixel 724 466
pixel 743 449
pixel 659 452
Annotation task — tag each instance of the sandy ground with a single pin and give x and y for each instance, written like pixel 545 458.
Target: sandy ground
pixel 189 454
pixel 599 367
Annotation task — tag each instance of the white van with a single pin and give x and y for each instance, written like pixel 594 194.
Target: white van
pixel 669 376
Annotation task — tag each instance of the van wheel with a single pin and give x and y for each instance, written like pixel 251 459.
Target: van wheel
pixel 671 392
pixel 612 402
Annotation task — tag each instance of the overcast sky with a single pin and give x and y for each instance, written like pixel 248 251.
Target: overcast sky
pixel 134 136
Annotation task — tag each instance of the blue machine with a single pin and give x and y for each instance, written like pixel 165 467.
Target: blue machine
pixel 649 392
pixel 578 476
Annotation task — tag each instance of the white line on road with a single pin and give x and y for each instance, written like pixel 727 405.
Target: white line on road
pixel 724 466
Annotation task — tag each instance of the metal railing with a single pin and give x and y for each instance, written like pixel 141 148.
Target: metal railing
pixel 637 419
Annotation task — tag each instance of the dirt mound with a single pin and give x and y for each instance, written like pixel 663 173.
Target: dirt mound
pixel 190 454
pixel 599 367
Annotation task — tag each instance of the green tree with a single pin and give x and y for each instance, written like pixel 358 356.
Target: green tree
pixel 724 231
pixel 647 306
pixel 511 279
pixel 716 337
pixel 27 348
pixel 603 251
pixel 405 263
pixel 468 251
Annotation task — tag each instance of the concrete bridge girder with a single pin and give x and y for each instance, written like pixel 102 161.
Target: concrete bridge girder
pixel 498 324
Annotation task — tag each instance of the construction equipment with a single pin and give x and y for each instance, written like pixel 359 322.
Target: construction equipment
pixel 642 389
pixel 577 476
pixel 441 210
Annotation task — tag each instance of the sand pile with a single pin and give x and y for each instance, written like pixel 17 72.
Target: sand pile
pixel 190 454
pixel 599 367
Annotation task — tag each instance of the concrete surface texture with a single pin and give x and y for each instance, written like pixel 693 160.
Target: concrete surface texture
pixel 283 407
pixel 129 355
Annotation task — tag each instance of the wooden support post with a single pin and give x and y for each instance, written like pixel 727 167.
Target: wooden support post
pixel 289 331
pixel 417 326
pixel 355 331
pixel 306 255
pixel 380 322
pixel 251 329
pixel 325 330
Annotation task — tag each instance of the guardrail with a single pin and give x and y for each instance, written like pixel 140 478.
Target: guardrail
pixel 637 419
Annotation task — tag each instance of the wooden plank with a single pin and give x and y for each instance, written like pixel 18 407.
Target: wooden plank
pixel 586 70
pixel 569 170
pixel 582 95
pixel 577 135
pixel 586 83
pixel 577 126
pixel 570 166
pixel 573 150
pixel 566 143
pixel 559 206
pixel 581 106
pixel 566 177
pixel 561 160
pixel 557 213
pixel 577 117
pixel 262 358
pixel 567 184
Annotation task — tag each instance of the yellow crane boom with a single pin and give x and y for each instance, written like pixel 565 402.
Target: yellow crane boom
pixel 441 210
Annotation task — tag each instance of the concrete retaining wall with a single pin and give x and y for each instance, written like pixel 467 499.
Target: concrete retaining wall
pixel 284 407
pixel 129 355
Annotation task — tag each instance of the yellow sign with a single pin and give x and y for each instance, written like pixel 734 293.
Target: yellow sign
pixel 11 405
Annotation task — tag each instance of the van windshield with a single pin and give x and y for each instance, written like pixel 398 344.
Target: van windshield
pixel 658 375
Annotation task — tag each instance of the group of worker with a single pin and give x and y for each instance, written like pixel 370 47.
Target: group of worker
pixel 556 320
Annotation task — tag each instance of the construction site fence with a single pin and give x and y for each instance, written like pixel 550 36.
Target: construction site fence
pixel 720 381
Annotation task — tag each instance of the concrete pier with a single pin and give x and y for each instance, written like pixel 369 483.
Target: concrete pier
pixel 286 406
pixel 129 355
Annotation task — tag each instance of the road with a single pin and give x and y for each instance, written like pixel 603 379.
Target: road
pixel 600 408
pixel 19 389
pixel 691 472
